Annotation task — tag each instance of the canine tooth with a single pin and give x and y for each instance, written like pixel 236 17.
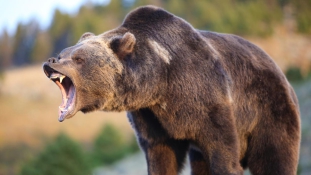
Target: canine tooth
pixel 61 78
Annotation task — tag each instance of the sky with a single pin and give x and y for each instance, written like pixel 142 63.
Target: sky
pixel 14 11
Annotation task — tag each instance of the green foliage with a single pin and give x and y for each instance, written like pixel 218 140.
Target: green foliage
pixel 23 42
pixel 132 145
pixel 294 74
pixel 29 44
pixel 60 31
pixel 254 17
pixel 5 49
pixel 303 15
pixel 110 146
pixel 12 156
pixel 63 156
pixel 4 52
pixel 41 49
pixel 61 22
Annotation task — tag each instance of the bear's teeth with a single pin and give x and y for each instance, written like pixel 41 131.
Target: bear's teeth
pixel 53 76
pixel 61 78
pixel 57 75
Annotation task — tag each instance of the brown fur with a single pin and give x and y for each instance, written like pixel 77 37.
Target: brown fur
pixel 216 96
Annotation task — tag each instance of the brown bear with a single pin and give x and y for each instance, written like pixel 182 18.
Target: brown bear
pixel 215 96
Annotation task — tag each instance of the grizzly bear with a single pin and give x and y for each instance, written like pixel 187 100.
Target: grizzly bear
pixel 216 97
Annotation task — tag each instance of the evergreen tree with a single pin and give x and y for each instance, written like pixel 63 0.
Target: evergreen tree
pixel 61 157
pixel 24 40
pixel 110 146
pixel 5 50
pixel 60 31
pixel 303 15
pixel 42 48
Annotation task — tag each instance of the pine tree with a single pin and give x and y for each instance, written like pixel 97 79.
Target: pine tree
pixel 63 156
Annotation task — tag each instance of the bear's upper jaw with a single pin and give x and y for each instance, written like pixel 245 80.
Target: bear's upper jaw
pixel 68 90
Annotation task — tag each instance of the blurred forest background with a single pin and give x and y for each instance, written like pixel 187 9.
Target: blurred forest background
pixel 32 142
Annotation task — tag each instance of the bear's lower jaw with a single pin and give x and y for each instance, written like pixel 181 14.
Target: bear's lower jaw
pixel 67 108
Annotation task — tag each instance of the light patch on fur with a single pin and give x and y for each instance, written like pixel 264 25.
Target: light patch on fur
pixel 160 51
pixel 229 96
pixel 163 106
pixel 215 52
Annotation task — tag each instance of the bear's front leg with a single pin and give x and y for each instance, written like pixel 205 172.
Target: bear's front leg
pixel 165 158
pixel 165 155
pixel 199 166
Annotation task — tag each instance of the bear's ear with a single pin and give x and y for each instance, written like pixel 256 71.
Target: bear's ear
pixel 85 36
pixel 124 45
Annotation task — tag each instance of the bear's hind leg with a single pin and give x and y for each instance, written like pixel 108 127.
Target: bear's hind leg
pixel 275 154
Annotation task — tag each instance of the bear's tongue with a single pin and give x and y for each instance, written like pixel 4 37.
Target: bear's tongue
pixel 68 95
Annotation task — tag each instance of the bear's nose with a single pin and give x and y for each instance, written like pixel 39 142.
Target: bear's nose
pixel 52 60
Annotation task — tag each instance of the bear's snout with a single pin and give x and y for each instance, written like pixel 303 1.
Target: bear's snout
pixel 53 60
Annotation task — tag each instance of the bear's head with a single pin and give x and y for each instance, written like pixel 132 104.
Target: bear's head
pixel 87 73
pixel 128 68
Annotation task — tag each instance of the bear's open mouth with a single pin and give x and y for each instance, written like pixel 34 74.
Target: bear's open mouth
pixel 67 89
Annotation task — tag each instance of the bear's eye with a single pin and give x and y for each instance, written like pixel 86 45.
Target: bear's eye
pixel 78 59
